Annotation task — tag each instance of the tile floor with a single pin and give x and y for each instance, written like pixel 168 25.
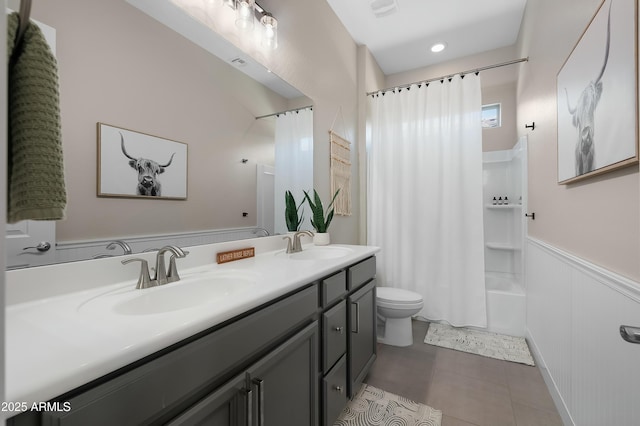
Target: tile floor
pixel 469 389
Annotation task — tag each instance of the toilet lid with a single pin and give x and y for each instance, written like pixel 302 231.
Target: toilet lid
pixel 397 295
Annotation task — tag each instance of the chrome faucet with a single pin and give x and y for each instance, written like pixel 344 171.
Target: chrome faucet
pixel 112 245
pixel 144 280
pixel 295 246
pixel 258 230
pixel 162 276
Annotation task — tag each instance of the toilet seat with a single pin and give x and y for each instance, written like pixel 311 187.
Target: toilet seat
pixel 397 296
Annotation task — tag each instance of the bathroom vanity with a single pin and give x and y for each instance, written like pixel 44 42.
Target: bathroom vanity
pixel 291 349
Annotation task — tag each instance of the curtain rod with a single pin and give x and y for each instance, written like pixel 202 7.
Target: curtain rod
pixel 475 70
pixel 284 112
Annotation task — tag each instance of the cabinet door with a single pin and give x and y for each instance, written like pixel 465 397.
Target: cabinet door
pixel 285 382
pixel 226 406
pixel 362 337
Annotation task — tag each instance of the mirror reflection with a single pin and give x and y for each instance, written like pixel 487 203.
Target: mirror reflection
pixel 119 65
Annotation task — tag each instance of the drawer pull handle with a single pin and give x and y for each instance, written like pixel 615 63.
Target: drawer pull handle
pixel 339 329
pixel 248 402
pixel 356 305
pixel 339 389
pixel 630 334
pixel 259 383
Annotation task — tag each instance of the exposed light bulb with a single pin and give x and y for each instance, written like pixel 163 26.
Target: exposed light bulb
pixel 244 14
pixel 270 32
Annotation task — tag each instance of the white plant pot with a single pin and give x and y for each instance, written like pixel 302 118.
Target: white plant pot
pixel 321 239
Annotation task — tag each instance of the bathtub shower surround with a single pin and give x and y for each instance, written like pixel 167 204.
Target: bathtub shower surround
pixel 504 172
pixel 424 200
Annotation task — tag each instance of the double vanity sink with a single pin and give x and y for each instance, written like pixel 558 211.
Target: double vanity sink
pixel 86 321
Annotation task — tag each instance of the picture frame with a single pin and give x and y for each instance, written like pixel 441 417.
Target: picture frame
pixel 138 165
pixel 597 96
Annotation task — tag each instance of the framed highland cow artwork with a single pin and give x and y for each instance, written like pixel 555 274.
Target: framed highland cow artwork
pixel 597 96
pixel 137 165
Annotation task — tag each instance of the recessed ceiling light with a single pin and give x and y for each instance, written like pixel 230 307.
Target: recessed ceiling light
pixel 382 8
pixel 438 47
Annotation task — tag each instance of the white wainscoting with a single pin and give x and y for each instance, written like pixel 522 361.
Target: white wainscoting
pixel 68 251
pixel 574 311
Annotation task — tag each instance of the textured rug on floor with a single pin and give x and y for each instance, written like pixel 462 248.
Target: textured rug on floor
pixel 375 407
pixel 492 345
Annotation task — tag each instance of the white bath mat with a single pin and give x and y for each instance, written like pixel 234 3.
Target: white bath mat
pixel 374 407
pixel 483 343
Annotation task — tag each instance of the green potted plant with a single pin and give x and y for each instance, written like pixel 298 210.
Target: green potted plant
pixel 320 219
pixel 291 217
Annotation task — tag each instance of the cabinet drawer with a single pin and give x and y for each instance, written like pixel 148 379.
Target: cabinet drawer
pixel 333 287
pixel 149 392
pixel 334 389
pixel 334 326
pixel 361 273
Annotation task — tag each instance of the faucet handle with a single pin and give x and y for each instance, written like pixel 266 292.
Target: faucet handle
pixel 172 274
pixel 144 280
pixel 297 244
pixel 289 246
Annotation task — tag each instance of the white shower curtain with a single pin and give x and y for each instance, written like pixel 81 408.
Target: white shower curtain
pixel 293 162
pixel 424 198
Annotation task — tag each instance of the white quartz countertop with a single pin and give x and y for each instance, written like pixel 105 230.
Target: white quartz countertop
pixel 61 341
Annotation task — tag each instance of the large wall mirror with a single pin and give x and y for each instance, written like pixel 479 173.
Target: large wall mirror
pixel 150 67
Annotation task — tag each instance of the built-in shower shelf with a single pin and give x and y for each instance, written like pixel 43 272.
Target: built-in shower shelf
pixel 502 206
pixel 502 246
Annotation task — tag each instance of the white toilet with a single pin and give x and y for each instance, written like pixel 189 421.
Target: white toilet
pixel 395 308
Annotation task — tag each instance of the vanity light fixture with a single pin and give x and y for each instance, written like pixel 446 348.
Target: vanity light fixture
pixel 246 11
pixel 438 47
pixel 245 14
pixel 270 31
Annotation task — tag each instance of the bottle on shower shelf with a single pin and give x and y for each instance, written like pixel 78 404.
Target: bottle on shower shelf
pixel 500 201
pixel 495 201
pixel 506 201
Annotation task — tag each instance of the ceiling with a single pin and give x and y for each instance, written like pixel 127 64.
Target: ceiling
pixel 401 40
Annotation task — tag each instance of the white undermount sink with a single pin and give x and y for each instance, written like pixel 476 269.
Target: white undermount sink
pixel 319 253
pixel 191 291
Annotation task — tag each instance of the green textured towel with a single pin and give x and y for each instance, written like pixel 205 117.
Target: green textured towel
pixel 36 171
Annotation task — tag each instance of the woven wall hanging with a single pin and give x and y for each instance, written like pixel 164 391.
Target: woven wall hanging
pixel 341 173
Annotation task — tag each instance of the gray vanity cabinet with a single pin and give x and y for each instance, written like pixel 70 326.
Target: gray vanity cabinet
pixel 348 334
pixel 361 342
pixel 333 291
pixel 227 406
pixel 159 389
pixel 292 361
pixel 279 389
pixel 284 383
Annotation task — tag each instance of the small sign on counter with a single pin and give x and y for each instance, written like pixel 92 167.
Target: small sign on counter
pixel 230 256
